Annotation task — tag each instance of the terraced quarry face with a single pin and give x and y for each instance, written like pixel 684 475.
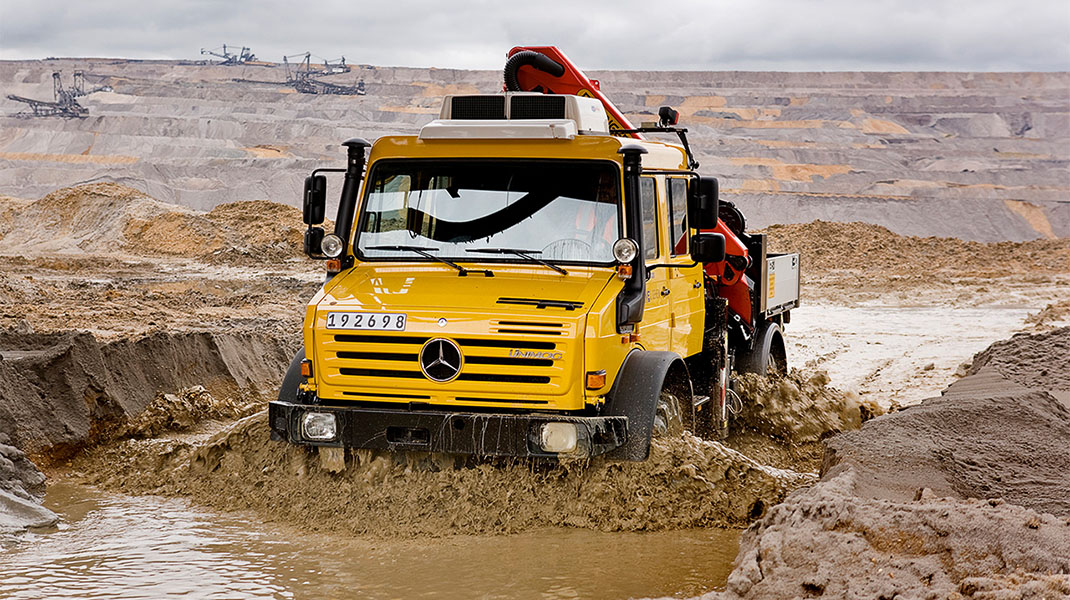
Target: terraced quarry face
pixel 979 156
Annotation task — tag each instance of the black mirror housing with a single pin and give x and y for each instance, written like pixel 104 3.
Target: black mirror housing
pixel 707 247
pixel 315 201
pixel 703 203
pixel 313 240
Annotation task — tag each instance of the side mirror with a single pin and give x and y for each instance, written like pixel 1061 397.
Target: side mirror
pixel 703 203
pixel 315 204
pixel 707 247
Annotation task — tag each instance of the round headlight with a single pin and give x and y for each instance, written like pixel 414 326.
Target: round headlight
pixel 331 246
pixel 625 250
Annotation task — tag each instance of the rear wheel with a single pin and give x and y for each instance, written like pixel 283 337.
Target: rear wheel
pixel 767 356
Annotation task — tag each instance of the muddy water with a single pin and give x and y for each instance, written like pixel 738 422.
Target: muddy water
pixel 895 353
pixel 118 546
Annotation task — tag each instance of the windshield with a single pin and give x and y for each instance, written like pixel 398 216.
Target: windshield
pixel 556 211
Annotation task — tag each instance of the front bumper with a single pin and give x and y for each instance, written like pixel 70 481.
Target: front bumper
pixel 482 434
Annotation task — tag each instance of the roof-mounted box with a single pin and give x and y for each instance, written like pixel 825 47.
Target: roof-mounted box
pixel 528 115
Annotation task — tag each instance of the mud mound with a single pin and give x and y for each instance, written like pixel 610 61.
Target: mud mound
pixel 877 251
pixel 173 233
pixel 686 482
pixel 949 445
pixel 61 391
pixel 1039 361
pixel 260 230
pixel 105 218
pixel 85 218
pixel 966 494
pixel 827 542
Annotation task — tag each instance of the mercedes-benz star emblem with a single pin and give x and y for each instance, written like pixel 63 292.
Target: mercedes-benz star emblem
pixel 440 360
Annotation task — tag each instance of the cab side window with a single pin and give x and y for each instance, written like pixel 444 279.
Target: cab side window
pixel 678 215
pixel 648 202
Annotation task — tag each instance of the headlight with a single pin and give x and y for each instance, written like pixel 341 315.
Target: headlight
pixel 625 250
pixel 331 246
pixel 558 437
pixel 320 427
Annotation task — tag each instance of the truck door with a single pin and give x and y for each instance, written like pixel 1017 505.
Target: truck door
pixel 655 328
pixel 687 308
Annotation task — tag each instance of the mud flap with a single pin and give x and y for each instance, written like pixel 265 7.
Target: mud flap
pixel 635 395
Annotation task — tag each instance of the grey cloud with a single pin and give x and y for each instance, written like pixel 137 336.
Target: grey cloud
pixel 627 34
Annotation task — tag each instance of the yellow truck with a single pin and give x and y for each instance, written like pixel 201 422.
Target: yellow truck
pixel 529 276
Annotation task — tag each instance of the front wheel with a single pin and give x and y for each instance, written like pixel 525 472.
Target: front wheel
pixel 668 419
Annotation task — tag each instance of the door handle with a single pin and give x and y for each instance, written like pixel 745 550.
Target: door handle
pixel 664 291
pixel 697 285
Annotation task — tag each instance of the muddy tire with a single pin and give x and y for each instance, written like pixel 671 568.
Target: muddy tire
pixel 768 356
pixel 668 419
pixel 292 379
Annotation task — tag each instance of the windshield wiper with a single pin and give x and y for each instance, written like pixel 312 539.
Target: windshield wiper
pixel 426 253
pixel 521 253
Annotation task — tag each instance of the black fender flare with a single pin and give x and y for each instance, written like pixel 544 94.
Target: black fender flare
pixel 292 379
pixel 635 395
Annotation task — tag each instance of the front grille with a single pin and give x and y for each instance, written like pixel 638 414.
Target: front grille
pixel 379 365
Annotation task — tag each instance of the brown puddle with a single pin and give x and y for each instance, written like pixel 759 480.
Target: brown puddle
pixel 118 546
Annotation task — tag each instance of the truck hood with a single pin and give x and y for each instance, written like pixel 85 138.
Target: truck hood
pixel 519 332
pixel 513 289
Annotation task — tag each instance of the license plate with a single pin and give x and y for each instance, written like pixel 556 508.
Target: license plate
pixel 358 320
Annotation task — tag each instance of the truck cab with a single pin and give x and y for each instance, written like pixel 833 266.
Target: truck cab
pixel 515 280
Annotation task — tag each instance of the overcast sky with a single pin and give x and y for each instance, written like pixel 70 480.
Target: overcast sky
pixel 826 35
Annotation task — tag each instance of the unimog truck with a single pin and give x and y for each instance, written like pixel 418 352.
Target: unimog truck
pixel 530 276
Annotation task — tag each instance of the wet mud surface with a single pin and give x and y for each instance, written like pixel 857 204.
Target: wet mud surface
pixel 687 482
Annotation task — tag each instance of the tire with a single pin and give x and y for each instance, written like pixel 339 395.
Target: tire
pixel 292 379
pixel 768 356
pixel 668 419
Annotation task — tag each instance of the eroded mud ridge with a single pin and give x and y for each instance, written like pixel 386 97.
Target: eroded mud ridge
pixel 965 495
pixel 64 390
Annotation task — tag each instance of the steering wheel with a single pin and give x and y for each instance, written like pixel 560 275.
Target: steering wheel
pixel 567 249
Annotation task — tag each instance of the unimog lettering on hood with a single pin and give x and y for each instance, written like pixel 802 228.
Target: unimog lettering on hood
pixel 545 355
